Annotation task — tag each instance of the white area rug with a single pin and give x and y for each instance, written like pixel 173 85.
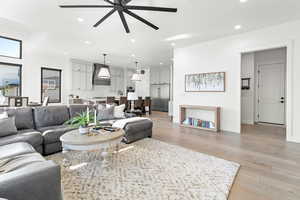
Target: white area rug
pixel 147 170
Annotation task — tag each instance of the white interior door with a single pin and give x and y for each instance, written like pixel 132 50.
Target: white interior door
pixel 271 93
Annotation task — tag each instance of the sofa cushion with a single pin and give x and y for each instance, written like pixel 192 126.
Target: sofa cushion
pixel 105 114
pixel 50 116
pixel 30 136
pixel 15 149
pixel 23 117
pixel 52 134
pixel 119 111
pixel 76 109
pixel 7 127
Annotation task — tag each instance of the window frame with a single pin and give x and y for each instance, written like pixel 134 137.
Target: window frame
pixel 21 47
pixel 20 75
pixel 60 81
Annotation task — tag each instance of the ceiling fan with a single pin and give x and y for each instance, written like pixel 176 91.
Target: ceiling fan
pixel 121 6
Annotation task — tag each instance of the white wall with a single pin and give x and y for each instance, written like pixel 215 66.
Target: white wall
pixel 225 55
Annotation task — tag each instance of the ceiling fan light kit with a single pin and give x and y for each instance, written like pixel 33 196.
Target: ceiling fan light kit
pixel 121 6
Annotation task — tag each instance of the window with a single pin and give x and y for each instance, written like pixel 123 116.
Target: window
pixel 10 81
pixel 10 47
pixel 51 85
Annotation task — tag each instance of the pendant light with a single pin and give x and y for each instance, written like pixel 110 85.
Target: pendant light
pixel 104 71
pixel 136 76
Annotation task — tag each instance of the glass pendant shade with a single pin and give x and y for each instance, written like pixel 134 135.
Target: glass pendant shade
pixel 136 77
pixel 104 73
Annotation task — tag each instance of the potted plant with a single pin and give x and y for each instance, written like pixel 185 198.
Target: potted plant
pixel 81 122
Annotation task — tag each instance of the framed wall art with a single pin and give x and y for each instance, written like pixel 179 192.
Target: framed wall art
pixel 205 82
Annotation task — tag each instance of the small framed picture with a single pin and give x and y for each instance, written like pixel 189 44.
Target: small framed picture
pixel 245 83
pixel 11 101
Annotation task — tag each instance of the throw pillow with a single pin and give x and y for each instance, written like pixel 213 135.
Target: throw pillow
pixel 8 127
pixel 3 115
pixel 119 111
pixel 105 114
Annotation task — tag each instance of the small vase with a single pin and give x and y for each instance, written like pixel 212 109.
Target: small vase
pixel 83 130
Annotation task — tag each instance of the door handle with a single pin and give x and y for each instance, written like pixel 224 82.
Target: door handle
pixel 281 101
pixel 282 98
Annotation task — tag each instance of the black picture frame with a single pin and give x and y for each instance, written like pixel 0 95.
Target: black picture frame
pixel 21 47
pixel 20 73
pixel 42 81
pixel 245 83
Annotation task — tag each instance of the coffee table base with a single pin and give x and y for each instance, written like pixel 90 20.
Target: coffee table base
pixel 102 147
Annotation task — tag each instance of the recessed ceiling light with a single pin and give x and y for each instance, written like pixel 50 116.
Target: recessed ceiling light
pixel 243 1
pixel 79 19
pixel 87 42
pixel 161 63
pixel 237 27
pixel 173 44
pixel 132 55
pixel 132 40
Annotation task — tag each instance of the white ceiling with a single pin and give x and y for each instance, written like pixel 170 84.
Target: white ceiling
pixel 59 30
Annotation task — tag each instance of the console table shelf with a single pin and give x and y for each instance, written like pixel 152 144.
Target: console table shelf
pixel 215 110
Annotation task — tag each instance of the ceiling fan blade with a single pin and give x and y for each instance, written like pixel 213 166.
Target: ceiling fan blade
pixel 124 21
pixel 150 8
pixel 126 1
pixel 86 6
pixel 108 1
pixel 105 17
pixel 141 19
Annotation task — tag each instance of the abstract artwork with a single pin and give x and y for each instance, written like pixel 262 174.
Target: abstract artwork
pixel 205 82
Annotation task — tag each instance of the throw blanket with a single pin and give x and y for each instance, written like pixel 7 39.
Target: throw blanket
pixel 122 122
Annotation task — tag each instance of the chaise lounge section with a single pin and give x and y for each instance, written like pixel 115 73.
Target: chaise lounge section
pixel 25 174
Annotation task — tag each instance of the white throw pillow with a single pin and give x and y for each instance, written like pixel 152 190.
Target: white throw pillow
pixel 3 115
pixel 119 111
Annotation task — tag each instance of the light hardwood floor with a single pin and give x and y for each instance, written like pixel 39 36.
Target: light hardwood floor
pixel 270 166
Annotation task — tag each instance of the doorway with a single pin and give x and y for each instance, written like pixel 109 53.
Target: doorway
pixel 263 91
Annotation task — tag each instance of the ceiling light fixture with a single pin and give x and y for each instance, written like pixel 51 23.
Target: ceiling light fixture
pixel 173 44
pixel 132 40
pixel 161 63
pixel 79 19
pixel 136 76
pixel 132 55
pixel 237 27
pixel 243 1
pixel 104 71
pixel 87 42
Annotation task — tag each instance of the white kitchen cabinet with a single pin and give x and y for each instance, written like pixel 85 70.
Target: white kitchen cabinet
pixel 82 75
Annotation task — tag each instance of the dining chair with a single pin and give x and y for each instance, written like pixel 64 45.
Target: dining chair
pixel 110 100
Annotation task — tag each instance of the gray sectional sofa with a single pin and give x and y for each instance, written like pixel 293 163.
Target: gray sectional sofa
pixel 24 173
pixel 42 127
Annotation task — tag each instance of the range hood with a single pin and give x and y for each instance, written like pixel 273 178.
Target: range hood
pixel 96 79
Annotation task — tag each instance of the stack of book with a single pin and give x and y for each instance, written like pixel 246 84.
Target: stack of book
pixel 199 123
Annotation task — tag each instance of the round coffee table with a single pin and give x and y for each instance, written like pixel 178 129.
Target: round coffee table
pixel 73 140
